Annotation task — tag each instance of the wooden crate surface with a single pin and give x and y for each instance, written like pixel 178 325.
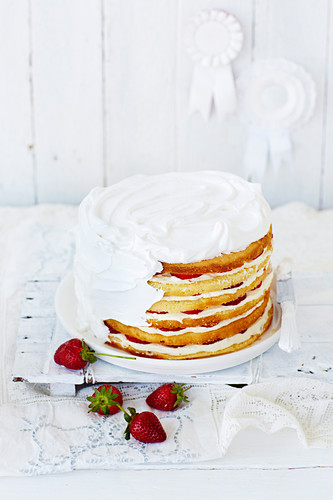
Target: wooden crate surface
pixel 40 333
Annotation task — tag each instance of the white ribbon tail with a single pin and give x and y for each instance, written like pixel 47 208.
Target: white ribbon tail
pixel 211 85
pixel 280 148
pixel 225 98
pixel 201 92
pixel 256 155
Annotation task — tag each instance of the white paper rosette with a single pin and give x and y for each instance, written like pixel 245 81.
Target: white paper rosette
pixel 213 40
pixel 275 96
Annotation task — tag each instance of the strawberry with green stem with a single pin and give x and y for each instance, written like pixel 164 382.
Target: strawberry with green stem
pixel 144 426
pixel 75 354
pixel 106 400
pixel 167 397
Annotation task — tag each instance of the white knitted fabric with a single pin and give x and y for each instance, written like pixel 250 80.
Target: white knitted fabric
pixel 301 404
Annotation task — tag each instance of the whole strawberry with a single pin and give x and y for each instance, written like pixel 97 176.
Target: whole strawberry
pixel 74 354
pixel 167 397
pixel 144 427
pixel 106 400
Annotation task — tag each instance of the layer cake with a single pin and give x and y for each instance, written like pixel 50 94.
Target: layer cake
pixel 175 266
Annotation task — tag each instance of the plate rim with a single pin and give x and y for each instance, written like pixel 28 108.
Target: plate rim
pixel 155 365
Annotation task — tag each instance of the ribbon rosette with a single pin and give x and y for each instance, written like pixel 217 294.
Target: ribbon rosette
pixel 275 96
pixel 213 40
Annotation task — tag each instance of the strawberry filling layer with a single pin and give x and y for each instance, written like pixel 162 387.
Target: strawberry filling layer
pixel 234 286
pixel 236 301
pixel 111 329
pixel 129 338
pixel 186 276
pixel 214 341
pixel 169 329
pixel 137 341
pixel 157 312
pixel 193 311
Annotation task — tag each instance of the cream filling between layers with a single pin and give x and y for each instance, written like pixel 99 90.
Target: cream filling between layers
pixel 219 293
pixel 255 329
pixel 173 280
pixel 179 316
pixel 200 329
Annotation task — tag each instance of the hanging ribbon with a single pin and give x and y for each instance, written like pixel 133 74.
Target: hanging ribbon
pixel 213 40
pixel 275 96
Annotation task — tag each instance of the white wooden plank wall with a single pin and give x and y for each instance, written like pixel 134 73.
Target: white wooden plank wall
pixel 94 90
pixel 327 164
pixel 140 57
pixel 205 145
pixel 17 173
pixel 305 43
pixel 68 107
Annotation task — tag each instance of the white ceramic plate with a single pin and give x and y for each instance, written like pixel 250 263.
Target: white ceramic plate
pixel 65 304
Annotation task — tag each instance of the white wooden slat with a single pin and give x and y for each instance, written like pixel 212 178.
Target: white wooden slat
pixel 315 322
pixel 35 330
pixel 54 373
pixel 102 372
pixel 313 289
pixel 313 359
pixel 327 172
pixel 38 337
pixel 296 31
pixel 37 304
pixel 314 318
pixel 68 108
pixel 201 144
pixel 16 142
pixel 140 59
pixel 40 334
pixel 29 367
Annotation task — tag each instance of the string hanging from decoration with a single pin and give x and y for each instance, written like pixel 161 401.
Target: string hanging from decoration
pixel 275 97
pixel 213 40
